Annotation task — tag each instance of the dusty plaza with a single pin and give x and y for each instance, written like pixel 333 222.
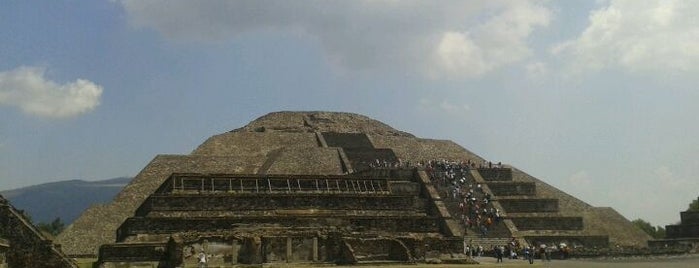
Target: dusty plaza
pixel 685 261
pixel 670 262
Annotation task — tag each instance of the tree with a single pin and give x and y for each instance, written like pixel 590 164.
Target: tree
pixel 655 232
pixel 694 206
pixel 54 228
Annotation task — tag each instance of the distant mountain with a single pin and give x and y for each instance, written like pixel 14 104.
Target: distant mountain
pixel 64 199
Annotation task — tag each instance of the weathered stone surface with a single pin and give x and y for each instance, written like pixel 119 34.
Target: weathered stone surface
pixel 688 227
pixel 321 122
pixel 416 149
pixel 254 144
pixel 325 161
pixel 23 245
pixel 97 225
pixel 4 249
pixel 597 221
pixel 323 144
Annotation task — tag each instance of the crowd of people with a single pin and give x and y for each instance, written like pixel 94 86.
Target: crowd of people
pixel 399 163
pixel 474 205
pixel 514 251
pixel 477 214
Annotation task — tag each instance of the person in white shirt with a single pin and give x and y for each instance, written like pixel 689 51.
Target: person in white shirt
pixel 202 259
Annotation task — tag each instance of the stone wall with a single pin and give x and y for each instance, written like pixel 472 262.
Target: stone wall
pixel 496 174
pixel 141 252
pixel 251 202
pixel 512 188
pixel 682 231
pixel 529 205
pixel 688 227
pixel 406 188
pixel 401 174
pixel 373 249
pixel 682 235
pixel 4 249
pixel 682 245
pixel 357 223
pixel 292 247
pixel 601 241
pixel 548 223
pixel 152 255
pixel 689 217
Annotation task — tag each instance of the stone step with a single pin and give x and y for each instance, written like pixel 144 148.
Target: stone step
pixel 495 174
pixel 547 223
pixel 509 188
pixel 520 205
pixel 494 231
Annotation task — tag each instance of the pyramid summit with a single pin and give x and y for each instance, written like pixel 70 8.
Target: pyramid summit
pixel 321 121
pixel 332 187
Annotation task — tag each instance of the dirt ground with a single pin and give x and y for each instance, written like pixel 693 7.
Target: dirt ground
pixel 641 262
pixel 683 261
pixel 634 262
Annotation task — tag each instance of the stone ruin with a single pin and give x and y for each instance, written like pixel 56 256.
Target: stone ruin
pixel 682 235
pixel 23 245
pixel 4 248
pixel 310 187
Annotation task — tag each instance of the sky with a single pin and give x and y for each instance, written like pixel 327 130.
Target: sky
pixel 597 98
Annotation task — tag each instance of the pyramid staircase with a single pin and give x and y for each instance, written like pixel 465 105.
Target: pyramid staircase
pixel 530 218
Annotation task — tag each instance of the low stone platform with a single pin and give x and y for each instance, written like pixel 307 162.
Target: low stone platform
pixel 683 235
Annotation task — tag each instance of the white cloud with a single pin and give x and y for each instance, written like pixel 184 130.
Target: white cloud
pixel 27 89
pixel 443 107
pixel 580 179
pixel 637 36
pixel 454 38
pixel 499 41
pixel 536 70
pixel 670 181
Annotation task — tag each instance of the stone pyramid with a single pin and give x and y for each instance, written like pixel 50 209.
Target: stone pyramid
pixel 288 156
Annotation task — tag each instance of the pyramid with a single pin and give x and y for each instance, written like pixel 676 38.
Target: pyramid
pixel 24 245
pixel 328 187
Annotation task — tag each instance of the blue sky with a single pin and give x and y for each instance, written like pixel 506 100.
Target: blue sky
pixel 597 98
